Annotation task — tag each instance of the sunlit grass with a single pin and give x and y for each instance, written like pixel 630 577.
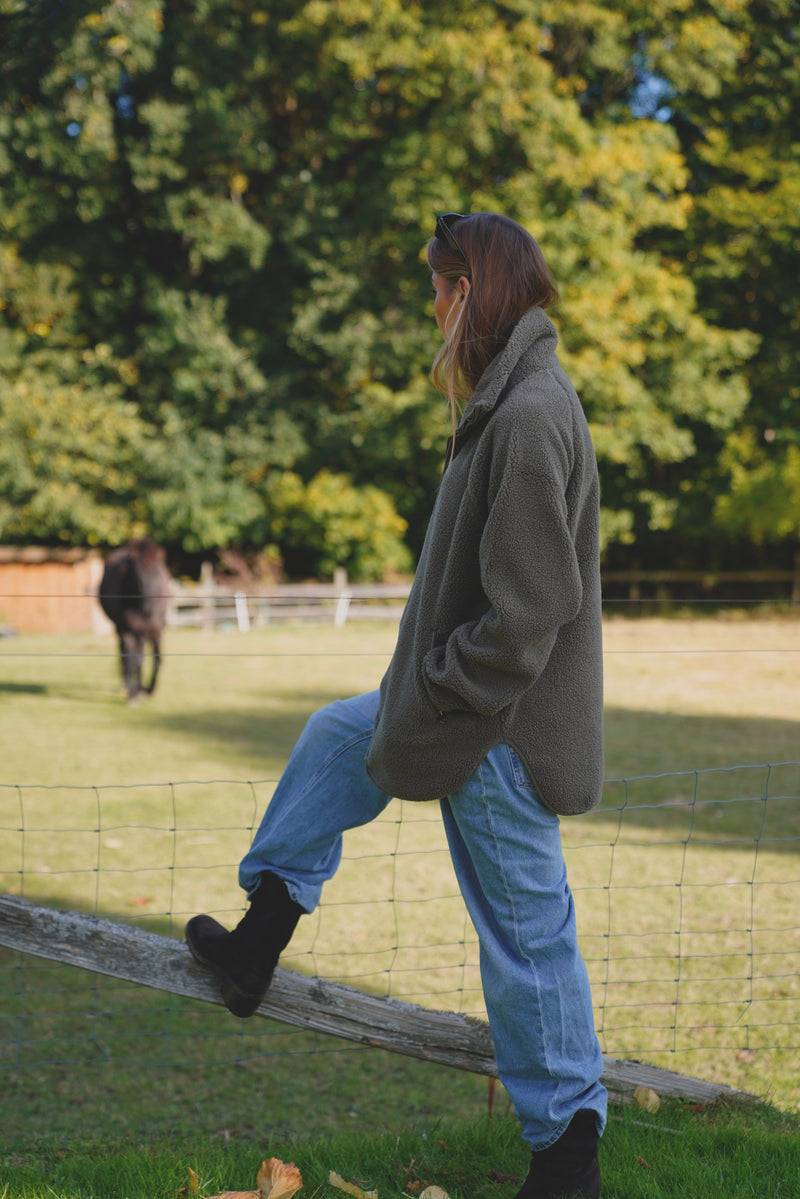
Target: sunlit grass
pixel 686 883
pixel 671 1154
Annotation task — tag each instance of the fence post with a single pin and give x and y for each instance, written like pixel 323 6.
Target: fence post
pixel 242 615
pixel 208 598
pixel 343 598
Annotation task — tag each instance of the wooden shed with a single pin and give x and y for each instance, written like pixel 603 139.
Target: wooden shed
pixel 45 590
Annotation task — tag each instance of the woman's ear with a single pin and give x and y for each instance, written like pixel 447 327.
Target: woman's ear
pixel 462 287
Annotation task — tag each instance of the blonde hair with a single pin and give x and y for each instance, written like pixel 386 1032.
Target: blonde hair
pixel 508 275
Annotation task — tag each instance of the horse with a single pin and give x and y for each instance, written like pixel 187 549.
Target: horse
pixel 134 593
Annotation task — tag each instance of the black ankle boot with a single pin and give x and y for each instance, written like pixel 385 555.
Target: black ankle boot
pixel 244 960
pixel 567 1169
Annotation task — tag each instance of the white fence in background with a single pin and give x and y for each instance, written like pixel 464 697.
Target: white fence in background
pixel 209 604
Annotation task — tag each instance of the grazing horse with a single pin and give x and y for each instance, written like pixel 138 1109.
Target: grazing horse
pixel 134 593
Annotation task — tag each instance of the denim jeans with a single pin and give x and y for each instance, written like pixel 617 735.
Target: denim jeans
pixel 506 851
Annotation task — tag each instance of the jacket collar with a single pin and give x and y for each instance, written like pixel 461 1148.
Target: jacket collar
pixel 530 347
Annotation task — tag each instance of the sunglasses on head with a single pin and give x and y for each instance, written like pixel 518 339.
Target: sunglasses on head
pixel 444 230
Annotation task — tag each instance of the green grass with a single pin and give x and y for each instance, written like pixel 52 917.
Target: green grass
pixel 687 896
pixel 675 1153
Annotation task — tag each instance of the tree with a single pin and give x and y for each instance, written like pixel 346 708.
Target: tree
pixel 239 194
pixel 740 133
pixel 724 78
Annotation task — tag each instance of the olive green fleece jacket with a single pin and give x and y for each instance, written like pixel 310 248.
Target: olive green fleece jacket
pixel 501 637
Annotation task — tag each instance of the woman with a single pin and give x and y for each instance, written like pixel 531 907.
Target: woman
pixel 492 704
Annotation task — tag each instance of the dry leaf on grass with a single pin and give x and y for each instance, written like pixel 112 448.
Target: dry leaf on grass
pixel 349 1188
pixel 194 1189
pixel 237 1195
pixel 278 1180
pixel 647 1099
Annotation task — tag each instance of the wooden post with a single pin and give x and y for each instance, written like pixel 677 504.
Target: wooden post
pixel 343 598
pixel 208 598
pixel 242 614
pixel 449 1038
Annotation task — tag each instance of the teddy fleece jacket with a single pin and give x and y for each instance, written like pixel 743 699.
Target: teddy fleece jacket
pixel 501 637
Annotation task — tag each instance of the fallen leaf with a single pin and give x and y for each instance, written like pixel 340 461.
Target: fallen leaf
pixel 350 1188
pixel 278 1180
pixel 194 1181
pixel 643 1163
pixel 647 1099
pixel 237 1195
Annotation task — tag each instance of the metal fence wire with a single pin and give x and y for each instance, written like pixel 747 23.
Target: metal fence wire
pixel 686 884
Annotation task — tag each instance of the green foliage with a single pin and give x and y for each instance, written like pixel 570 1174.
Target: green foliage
pixel 329 522
pixel 734 100
pixel 233 198
pixel 70 436
pixel 69 447
pixel 764 497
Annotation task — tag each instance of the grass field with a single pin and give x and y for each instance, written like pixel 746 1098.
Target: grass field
pixel 675 1153
pixel 686 883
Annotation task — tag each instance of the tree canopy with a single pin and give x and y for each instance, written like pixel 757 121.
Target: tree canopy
pixel 215 319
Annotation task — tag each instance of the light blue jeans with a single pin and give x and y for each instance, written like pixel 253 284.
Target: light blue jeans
pixel 506 850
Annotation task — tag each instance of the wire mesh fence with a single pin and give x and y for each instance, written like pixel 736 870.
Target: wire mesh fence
pixel 685 882
pixel 686 886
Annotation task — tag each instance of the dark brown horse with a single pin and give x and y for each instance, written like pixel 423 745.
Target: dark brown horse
pixel 134 593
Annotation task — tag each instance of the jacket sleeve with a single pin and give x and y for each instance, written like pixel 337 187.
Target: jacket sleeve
pixel 529 571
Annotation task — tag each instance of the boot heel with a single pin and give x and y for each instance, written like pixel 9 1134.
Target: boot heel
pixel 238 1002
pixel 567 1169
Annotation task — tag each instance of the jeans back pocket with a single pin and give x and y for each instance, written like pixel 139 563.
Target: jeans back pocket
pixel 521 776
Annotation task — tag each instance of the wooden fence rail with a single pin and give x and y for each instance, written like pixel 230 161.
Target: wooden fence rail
pixel 704 583
pixel 448 1038
pixel 43 590
pixel 209 604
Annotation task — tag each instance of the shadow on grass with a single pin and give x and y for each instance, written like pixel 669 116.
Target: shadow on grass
pixel 704 777
pixel 23 689
pixel 85 1052
pixel 691 777
pixel 666 771
pixel 253 734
